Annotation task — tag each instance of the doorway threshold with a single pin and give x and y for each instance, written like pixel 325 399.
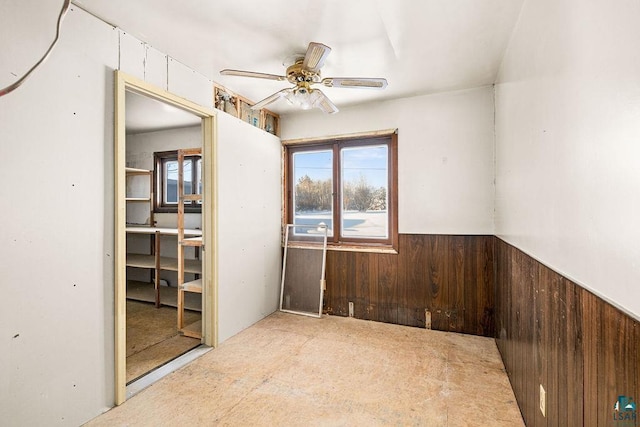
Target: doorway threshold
pixel 145 381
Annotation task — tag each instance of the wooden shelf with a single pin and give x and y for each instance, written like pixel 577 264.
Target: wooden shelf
pixel 141 261
pixel 163 231
pixel 192 241
pixel 136 171
pixel 193 266
pixel 192 197
pixel 138 199
pixel 193 286
pixel 190 265
pixel 193 330
pixel 145 291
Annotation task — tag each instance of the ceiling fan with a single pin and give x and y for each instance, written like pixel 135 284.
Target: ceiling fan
pixel 304 72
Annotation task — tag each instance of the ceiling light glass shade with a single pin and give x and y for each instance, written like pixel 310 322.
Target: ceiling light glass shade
pixel 303 98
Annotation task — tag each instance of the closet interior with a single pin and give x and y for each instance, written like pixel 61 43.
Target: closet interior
pixel 163 234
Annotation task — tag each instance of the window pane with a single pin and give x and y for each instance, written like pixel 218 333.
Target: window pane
pixel 187 177
pixel 312 199
pixel 171 182
pixel 365 180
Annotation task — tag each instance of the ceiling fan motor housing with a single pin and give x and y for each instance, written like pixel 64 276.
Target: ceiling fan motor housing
pixel 296 74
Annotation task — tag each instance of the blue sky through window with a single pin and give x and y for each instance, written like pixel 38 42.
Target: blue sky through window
pixel 315 164
pixel 371 162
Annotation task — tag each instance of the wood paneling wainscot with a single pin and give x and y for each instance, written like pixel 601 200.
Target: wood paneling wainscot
pixel 554 333
pixel 450 278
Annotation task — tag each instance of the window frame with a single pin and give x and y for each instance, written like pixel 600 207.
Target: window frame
pixel 335 144
pixel 160 205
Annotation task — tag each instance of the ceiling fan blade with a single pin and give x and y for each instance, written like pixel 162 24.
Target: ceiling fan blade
pixel 271 98
pixel 355 82
pixel 315 56
pixel 325 104
pixel 241 73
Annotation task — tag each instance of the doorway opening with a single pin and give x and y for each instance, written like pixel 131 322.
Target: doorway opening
pixel 165 290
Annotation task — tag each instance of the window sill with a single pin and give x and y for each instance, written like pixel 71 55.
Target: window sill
pixel 350 248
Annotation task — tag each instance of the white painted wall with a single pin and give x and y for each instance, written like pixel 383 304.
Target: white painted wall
pixel 567 131
pixel 56 242
pixel 141 146
pixel 249 194
pixel 445 155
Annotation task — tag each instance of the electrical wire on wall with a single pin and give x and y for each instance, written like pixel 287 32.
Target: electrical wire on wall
pixel 18 83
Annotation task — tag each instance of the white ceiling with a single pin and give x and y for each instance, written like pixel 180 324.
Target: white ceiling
pixel 420 46
pixel 144 114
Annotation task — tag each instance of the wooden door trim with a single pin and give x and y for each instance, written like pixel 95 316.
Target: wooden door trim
pixel 125 83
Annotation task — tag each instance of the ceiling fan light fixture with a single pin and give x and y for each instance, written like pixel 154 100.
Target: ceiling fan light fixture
pixel 304 98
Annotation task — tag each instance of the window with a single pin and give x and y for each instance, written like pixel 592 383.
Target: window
pixel 349 185
pixel 166 182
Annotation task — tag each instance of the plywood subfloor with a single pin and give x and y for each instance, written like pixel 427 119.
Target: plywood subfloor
pixel 295 370
pixel 152 337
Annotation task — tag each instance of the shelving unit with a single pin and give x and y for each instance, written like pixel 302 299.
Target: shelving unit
pixel 133 196
pixel 155 262
pixel 194 286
